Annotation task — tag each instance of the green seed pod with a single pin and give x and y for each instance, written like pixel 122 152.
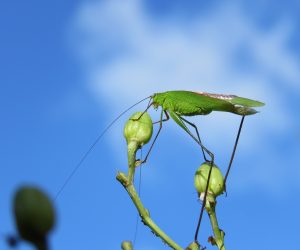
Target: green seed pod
pixel 127 245
pixel 138 129
pixel 34 214
pixel 216 182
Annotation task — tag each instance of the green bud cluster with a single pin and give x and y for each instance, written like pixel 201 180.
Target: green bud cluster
pixel 138 129
pixel 216 182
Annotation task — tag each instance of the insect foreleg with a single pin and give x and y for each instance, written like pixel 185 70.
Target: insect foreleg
pixel 160 127
pixel 163 120
pixel 148 106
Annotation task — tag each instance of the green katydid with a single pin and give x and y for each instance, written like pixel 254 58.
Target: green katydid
pixel 186 103
pixel 179 104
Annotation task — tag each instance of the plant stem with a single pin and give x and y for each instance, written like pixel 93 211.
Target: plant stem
pixel 144 213
pixel 132 147
pixel 218 234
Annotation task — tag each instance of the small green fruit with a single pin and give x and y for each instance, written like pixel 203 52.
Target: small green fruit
pixel 216 182
pixel 127 245
pixel 138 129
pixel 34 214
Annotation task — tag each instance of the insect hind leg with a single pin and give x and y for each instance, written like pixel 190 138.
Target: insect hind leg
pixel 233 151
pixel 198 140
pixel 211 163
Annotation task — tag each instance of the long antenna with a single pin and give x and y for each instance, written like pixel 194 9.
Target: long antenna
pixel 77 166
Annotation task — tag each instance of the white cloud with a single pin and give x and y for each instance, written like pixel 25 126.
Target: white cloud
pixel 128 55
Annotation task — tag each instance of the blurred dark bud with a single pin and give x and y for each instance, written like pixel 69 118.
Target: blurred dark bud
pixel 34 215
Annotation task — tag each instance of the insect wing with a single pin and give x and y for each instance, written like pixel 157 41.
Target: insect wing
pixel 240 105
pixel 245 102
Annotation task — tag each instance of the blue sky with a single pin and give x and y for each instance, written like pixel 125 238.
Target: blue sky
pixel 67 68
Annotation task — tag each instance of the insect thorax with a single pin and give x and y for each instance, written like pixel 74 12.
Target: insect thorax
pixel 178 102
